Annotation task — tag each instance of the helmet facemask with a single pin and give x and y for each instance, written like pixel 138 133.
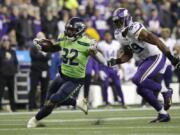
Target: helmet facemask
pixel 71 32
pixel 121 18
pixel 119 23
pixel 74 29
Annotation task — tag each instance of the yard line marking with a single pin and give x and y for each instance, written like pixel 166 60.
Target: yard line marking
pixel 91 110
pixel 102 119
pixel 88 128
pixel 84 120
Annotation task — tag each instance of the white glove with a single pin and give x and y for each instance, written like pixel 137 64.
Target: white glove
pixel 36 44
pixel 102 75
pixel 93 44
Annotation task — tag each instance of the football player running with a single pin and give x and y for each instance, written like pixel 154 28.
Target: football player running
pixel 152 53
pixel 74 47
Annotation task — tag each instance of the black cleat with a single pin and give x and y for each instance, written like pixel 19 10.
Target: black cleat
pixel 161 118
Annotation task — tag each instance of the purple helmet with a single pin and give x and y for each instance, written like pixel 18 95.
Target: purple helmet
pixel 121 18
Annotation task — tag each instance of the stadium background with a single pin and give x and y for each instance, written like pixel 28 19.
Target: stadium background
pixel 21 20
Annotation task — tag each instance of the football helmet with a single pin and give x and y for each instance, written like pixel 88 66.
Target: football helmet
pixel 121 18
pixel 74 28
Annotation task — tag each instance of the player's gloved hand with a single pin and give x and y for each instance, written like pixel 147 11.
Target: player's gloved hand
pixel 46 42
pixel 175 61
pixel 112 62
pixel 36 43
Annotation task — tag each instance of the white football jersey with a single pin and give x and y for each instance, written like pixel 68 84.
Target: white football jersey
pixel 141 49
pixel 109 50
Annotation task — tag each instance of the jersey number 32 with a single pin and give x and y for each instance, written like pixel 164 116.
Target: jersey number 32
pixel 70 60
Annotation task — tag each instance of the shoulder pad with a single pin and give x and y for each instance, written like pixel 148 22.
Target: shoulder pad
pixel 134 29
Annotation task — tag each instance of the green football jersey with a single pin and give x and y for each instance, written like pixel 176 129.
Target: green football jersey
pixel 74 55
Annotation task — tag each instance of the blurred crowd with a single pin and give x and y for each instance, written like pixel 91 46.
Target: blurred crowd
pixel 23 20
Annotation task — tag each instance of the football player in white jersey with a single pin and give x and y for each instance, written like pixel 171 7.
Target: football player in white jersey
pixel 151 51
pixel 109 48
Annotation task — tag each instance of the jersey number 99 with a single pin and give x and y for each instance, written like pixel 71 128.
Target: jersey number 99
pixel 71 60
pixel 136 48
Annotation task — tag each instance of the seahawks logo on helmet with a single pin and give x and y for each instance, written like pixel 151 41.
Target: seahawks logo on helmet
pixel 74 28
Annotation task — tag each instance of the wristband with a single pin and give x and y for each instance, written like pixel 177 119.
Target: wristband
pixel 169 56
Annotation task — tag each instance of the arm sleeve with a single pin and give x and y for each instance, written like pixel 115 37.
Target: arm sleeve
pixel 55 47
pixel 97 54
pixel 36 55
pixel 51 48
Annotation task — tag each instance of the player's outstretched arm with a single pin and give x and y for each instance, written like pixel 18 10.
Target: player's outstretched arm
pixel 97 56
pixel 46 45
pixel 153 39
pixel 95 53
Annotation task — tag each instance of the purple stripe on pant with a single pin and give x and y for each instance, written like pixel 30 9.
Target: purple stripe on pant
pixel 143 78
pixel 148 69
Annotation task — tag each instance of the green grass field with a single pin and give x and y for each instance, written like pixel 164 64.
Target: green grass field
pixel 97 122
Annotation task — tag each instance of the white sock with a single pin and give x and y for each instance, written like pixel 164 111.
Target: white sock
pixel 163 87
pixel 34 119
pixel 162 111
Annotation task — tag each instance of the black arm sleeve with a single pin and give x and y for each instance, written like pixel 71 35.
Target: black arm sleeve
pixel 36 55
pixel 51 48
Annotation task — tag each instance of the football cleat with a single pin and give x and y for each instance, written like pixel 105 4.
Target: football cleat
pixel 32 123
pixel 167 99
pixel 161 118
pixel 82 104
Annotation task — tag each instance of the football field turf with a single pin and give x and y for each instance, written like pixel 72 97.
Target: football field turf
pixel 98 122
